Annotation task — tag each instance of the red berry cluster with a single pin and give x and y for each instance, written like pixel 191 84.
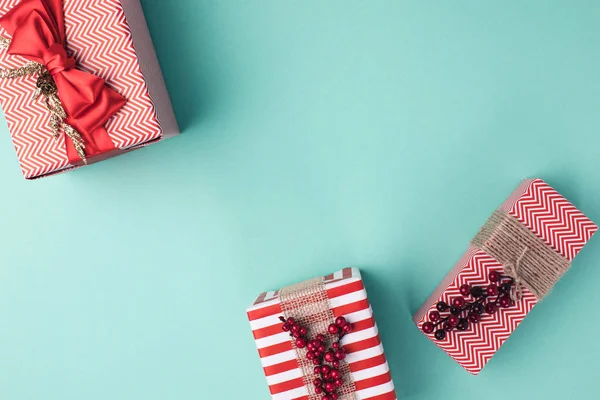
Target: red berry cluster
pixel 328 377
pixel 463 313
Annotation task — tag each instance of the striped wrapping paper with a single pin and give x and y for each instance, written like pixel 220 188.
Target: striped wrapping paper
pixel 553 219
pixel 366 359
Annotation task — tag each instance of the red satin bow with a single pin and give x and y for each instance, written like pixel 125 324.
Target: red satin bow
pixel 37 28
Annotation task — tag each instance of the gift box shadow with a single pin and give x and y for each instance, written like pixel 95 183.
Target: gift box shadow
pixel 405 347
pixel 183 48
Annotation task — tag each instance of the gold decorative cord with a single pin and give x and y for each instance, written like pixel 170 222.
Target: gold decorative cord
pixel 47 88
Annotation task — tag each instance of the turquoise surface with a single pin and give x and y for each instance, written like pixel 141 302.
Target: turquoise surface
pixel 378 134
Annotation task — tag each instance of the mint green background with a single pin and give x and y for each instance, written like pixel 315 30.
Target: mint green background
pixel 318 134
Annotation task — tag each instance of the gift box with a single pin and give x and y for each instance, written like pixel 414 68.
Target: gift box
pixel 511 264
pixel 336 307
pixel 80 82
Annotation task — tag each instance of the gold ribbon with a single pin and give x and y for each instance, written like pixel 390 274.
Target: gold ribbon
pixel 46 87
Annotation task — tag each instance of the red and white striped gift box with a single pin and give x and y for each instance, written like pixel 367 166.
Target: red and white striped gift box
pixel 553 219
pixel 366 359
pixel 110 39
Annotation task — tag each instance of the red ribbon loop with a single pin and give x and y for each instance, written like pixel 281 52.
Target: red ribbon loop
pixel 38 34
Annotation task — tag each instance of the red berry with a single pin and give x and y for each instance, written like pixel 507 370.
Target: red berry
pixel 318 390
pixel 334 396
pixel 494 276
pixel 317 382
pixel 336 345
pixel 303 331
pixel 296 334
pixel 340 321
pixel 310 355
pixel 463 325
pixel 316 361
pixel 329 387
pixel 477 291
pixel 338 382
pixel 491 308
pixel 335 374
pixel 478 308
pixel 325 369
pixel 333 329
pixel 326 397
pixel 458 302
pixel 474 318
pixel 285 328
pixel 348 328
pixel 296 328
pixel 329 357
pixel 440 334
pixel 335 364
pixel 301 343
pixel 453 320
pixel 317 370
pixel 320 337
pixel 434 316
pixel 317 353
pixel 505 301
pixel 340 354
pixel 428 327
pixel 291 321
pixel 492 290
pixel 315 343
pixel 465 290
pixel 448 326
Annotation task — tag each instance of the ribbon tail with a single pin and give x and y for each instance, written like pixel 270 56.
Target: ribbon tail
pixel 92 143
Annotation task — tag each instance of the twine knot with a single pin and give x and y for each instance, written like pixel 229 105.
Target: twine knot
pixel 512 270
pixel 531 262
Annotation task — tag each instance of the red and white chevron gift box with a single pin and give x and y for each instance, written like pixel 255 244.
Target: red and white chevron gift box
pixel 366 360
pixel 110 39
pixel 550 217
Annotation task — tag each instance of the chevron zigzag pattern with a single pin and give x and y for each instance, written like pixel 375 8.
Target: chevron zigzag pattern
pixel 554 219
pixel 100 39
pixel 473 348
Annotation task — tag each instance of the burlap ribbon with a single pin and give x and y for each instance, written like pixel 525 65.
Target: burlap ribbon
pixel 308 303
pixel 526 258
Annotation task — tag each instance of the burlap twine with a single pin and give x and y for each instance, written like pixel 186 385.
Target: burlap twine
pixel 308 303
pixel 526 258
